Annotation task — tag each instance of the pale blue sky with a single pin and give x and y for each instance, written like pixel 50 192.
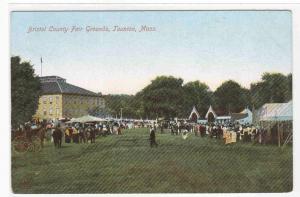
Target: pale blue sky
pixel 210 46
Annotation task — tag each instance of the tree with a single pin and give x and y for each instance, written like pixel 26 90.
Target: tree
pixel 277 86
pixel 162 98
pixel 289 95
pixel 99 112
pixel 274 88
pixel 259 94
pixel 231 97
pixel 25 91
pixel 199 95
pixel 115 103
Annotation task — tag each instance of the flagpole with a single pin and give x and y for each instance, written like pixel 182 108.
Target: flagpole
pixel 41 67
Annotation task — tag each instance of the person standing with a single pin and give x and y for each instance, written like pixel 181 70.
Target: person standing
pixel 75 135
pixel 42 133
pixel 152 138
pixel 93 134
pixel 161 128
pixel 67 135
pixel 119 130
pixel 81 134
pixel 57 136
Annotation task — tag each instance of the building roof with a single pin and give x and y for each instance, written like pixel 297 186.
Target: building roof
pixel 58 85
pixel 246 111
pixel 238 116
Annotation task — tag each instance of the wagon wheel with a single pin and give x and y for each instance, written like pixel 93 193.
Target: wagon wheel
pixel 36 143
pixel 30 147
pixel 19 144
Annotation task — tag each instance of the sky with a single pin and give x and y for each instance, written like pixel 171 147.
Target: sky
pixel 209 46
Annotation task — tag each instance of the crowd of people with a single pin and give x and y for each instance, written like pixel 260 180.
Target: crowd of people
pixel 87 132
pixel 229 132
pixel 57 132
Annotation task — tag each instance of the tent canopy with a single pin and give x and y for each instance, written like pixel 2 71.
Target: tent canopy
pixel 210 110
pixel 85 119
pixel 194 111
pixel 276 112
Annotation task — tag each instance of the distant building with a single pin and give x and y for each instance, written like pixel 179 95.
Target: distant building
pixel 244 117
pixel 60 99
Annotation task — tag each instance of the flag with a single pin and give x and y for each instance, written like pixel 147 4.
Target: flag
pixel 41 60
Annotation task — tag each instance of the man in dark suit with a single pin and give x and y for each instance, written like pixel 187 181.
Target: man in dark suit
pixel 152 138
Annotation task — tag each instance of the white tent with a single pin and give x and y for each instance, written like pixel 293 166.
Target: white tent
pixel 275 112
pixel 280 114
pixel 210 110
pixel 248 119
pixel 86 118
pixel 71 121
pixel 194 111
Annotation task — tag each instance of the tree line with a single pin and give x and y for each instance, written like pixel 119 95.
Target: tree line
pixel 165 96
pixel 169 97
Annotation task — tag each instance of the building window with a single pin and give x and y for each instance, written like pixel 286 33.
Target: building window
pixel 44 99
pixel 50 99
pixel 44 111
pixel 50 111
pixel 57 99
pixel 57 111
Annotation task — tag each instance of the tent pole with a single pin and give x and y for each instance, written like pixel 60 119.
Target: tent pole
pixel 278 134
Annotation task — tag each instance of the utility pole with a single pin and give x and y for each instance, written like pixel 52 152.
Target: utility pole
pixel 121 113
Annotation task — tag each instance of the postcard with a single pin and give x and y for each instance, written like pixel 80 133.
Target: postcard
pixel 151 101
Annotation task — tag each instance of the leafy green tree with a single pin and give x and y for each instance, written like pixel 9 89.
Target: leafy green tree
pixel 259 94
pixel 231 97
pixel 162 98
pixel 25 91
pixel 277 86
pixel 115 103
pixel 199 95
pixel 274 88
pixel 137 106
pixel 167 97
pixel 289 95
pixel 99 112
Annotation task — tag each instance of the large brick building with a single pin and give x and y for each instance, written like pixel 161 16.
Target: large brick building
pixel 60 99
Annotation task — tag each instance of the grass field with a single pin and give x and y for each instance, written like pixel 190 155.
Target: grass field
pixel 127 164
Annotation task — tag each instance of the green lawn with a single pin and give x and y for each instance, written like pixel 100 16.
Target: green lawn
pixel 127 164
